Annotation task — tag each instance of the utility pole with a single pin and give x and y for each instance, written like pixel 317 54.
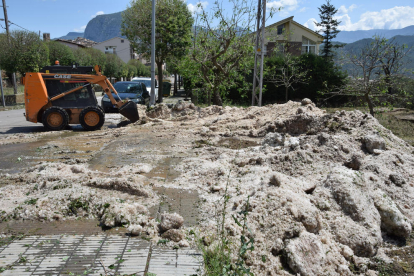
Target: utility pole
pixel 1 87
pixel 6 20
pixel 259 53
pixel 152 98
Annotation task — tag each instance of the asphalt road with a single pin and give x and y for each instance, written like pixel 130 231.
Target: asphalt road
pixel 13 121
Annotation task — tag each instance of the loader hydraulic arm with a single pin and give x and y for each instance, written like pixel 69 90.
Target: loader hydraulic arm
pixel 92 79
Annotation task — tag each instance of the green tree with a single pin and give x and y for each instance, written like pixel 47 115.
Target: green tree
pixel 376 69
pixel 223 48
pixel 123 70
pixel 329 27
pixel 97 57
pixel 173 30
pixel 82 57
pixel 60 52
pixel 113 66
pixel 287 71
pixel 23 52
pixel 132 71
pixel 321 75
pixel 142 70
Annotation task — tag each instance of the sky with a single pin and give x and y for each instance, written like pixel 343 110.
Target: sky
pixel 58 17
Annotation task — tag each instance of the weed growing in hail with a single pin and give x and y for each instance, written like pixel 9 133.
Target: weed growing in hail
pixel 223 256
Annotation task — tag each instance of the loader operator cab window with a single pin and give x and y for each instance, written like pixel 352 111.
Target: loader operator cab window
pixel 80 98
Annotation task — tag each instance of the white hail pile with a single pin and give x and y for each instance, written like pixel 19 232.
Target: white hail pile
pixel 323 189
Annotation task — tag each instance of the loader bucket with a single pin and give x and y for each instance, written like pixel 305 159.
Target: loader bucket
pixel 130 111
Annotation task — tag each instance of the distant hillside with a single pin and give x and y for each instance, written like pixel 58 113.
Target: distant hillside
pixel 104 27
pixel 352 36
pixel 355 47
pixel 71 35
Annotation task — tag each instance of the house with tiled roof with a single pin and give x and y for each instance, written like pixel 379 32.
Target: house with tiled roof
pixel 290 36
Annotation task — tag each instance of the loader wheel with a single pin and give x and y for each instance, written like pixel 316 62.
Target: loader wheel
pixel 92 118
pixel 55 118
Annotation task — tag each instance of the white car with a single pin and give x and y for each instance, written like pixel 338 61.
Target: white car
pixel 147 82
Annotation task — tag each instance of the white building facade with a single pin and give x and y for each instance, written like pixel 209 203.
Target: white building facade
pixel 118 46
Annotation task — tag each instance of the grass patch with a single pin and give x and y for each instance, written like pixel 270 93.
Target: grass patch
pixel 76 204
pixel 10 90
pixel 222 255
pixel 31 201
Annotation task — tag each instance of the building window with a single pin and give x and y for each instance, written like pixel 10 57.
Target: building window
pixel 280 29
pixel 308 46
pixel 122 41
pixel 110 50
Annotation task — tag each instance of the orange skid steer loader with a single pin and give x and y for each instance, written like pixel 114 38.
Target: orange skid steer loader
pixel 62 95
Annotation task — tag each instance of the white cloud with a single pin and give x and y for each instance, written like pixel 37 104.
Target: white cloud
pixel 98 13
pixel 352 7
pixel 303 9
pixel 343 10
pixel 285 5
pixel 394 18
pixel 195 8
pixel 81 29
pixel 311 24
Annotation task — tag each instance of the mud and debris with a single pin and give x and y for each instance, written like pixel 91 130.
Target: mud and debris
pixel 329 194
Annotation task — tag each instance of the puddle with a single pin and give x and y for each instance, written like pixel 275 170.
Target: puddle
pixel 53 148
pixel 183 202
pixel 118 153
pixel 165 169
pixel 78 227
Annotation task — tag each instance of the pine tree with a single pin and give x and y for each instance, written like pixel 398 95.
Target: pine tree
pixel 329 27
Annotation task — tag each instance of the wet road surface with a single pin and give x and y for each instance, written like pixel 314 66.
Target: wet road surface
pixel 13 121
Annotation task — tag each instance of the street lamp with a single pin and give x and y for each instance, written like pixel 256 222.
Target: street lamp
pixel 152 98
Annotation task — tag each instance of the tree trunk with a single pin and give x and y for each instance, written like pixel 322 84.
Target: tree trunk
pixel 287 90
pixel 371 107
pixel 217 99
pixel 208 97
pixel 388 83
pixel 14 83
pixel 160 79
pixel 175 84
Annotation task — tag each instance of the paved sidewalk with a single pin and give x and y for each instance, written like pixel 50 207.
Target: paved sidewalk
pixel 92 255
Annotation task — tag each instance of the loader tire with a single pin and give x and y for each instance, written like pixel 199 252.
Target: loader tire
pixel 101 108
pixel 55 118
pixel 92 118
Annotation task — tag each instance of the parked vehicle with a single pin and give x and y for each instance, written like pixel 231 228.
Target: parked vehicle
pixel 134 91
pixel 147 82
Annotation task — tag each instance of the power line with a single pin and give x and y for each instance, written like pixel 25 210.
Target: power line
pixel 19 26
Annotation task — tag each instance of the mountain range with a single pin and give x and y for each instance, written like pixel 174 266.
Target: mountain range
pixel 100 28
pixel 352 36
pixel 357 46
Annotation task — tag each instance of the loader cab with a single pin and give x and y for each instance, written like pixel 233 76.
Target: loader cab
pixel 79 99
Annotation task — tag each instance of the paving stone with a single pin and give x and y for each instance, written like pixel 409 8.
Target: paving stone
pixel 85 255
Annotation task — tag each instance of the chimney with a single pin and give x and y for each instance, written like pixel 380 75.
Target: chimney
pixel 46 37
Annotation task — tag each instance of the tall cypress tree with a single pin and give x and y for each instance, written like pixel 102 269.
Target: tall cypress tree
pixel 329 27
